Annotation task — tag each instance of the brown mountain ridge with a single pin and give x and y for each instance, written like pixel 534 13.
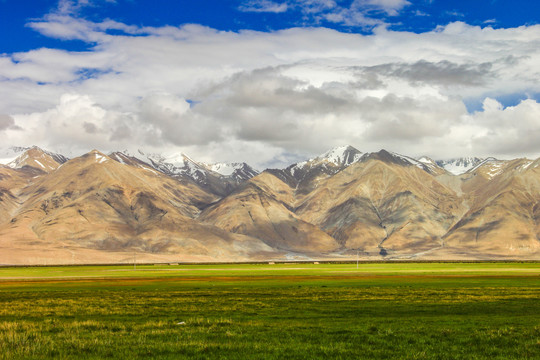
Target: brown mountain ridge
pixel 108 209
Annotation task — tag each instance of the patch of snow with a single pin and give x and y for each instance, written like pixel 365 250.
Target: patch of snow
pixel 119 158
pixel 15 157
pixel 139 155
pixel 495 169
pixel 525 166
pixel 456 169
pixel 226 169
pixel 336 155
pixel 39 163
pixel 7 160
pixel 8 156
pixel 340 155
pixel 297 167
pixel 409 160
pixel 18 161
pixel 148 169
pixel 100 158
pixel 178 164
pixel 483 162
pixel 460 166
pixel 425 160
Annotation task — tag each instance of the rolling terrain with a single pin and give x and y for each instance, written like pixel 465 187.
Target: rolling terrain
pixel 99 208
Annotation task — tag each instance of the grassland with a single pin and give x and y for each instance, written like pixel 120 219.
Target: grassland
pixel 292 311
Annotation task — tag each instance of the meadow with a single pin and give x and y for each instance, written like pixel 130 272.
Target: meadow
pixel 281 311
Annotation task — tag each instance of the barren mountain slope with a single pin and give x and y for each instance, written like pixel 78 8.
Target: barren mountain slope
pixel 21 171
pixel 261 208
pixel 11 183
pixel 504 218
pixel 93 202
pixel 383 206
pixel 98 208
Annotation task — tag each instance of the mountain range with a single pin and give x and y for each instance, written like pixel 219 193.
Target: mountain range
pixel 343 204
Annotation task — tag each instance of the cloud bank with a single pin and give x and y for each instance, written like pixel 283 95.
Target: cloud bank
pixel 270 98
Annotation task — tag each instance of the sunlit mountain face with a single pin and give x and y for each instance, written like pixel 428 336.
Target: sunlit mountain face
pixel 382 205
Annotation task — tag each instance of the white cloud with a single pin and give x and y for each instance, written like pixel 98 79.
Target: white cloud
pixel 77 124
pixel 6 121
pixel 315 6
pixel 295 91
pixel 263 6
pixel 391 7
pixel 352 17
pixel 357 14
pixel 70 7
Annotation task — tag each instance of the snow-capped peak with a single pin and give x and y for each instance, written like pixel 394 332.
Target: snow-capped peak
pixel 18 157
pixel 8 155
pixel 178 164
pixel 237 171
pixel 331 161
pixel 458 166
pixel 341 155
pixel 338 156
pixel 225 168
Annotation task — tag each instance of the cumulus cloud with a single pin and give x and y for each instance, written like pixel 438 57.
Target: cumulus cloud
pixel 6 121
pixel 273 97
pixel 444 72
pixel 171 120
pixel 511 131
pixel 76 124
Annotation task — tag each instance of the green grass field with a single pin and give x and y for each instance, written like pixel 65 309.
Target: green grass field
pixel 283 311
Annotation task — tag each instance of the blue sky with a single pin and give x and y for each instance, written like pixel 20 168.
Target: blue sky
pixel 416 16
pixel 272 82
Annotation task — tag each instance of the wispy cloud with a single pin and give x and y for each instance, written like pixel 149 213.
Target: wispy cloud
pixel 391 7
pixel 359 13
pixel 315 6
pixel 455 14
pixel 263 6
pixel 421 13
pixel 72 7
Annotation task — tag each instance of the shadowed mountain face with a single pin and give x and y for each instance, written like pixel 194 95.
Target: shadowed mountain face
pixel 97 208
